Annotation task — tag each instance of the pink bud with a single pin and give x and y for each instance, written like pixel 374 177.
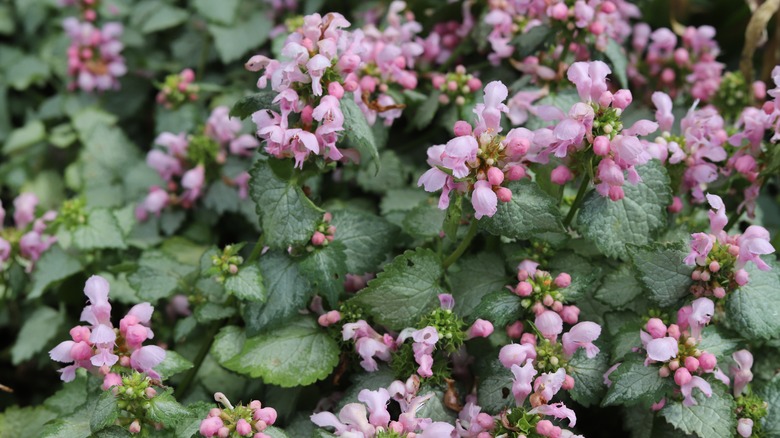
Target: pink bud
pixel 705 276
pixel 664 372
pixel 667 76
pixel 150 392
pixel 504 194
pixel 714 266
pixel 691 364
pixel 601 146
pixel 682 376
pixel 734 250
pixel 111 379
pixel 676 205
pixel 656 328
pixel 606 99
pixel 559 12
pixel 210 426
pixel 243 428
pixel 336 90
pixel 659 405
pixel 317 239
pixel 538 308
pixel 187 75
pixel 438 81
pixel 524 289
pixel 707 362
pixel 568 383
pixel 673 331
pixel 759 90
pixel 570 314
pixel 333 316
pixel 561 175
pixel 741 277
pixel 474 84
pixel 528 338
pixel 681 56
pixel 80 333
pixel 265 414
pixel 322 320
pixel 768 107
pixel 135 427
pixel 306 115
pixel 515 173
pixel 608 7
pixel 462 128
pixel 495 176
pixel 485 420
pixel 674 365
pixel 719 292
pixel 563 280
pixel 623 99
pixel 616 193
pixel 452 85
pixel 597 28
pixel 215 412
pixel 557 306
pixel 350 85
pixel 548 300
pixel 696 275
pixel 480 329
pixel 223 432
pixel 515 330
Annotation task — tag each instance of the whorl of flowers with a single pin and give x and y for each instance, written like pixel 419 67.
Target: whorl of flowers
pixel 27 240
pixel 95 59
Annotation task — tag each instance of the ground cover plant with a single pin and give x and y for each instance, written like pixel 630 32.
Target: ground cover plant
pixel 315 218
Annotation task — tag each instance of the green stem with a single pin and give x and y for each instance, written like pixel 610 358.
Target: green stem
pixel 464 244
pixel 185 384
pixel 204 54
pixel 577 201
pixel 257 250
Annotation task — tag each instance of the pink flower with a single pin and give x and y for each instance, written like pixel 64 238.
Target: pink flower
pixel 516 354
pixel 745 427
pixel 221 127
pixel 581 335
pixel 687 389
pixel 521 385
pixel 548 384
pixel 192 182
pixel 457 153
pixel 316 67
pixel 590 78
pixel 741 371
pixel 662 349
pixel 718 218
pixel 702 311
pixel 489 112
pixel 146 358
pixel 484 199
pixel 549 324
pixel 437 429
pixel 753 243
pixel 701 245
pixel 210 426
pixel 663 112
pixel 243 428
pixel 377 405
pixel 557 410
pixel 176 144
pixel 480 329
pixel 24 209
pixel 244 145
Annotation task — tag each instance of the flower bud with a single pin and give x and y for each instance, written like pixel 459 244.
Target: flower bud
pixel 561 175
pixel 741 277
pixel 559 12
pixel 524 289
pixel 719 292
pixel 504 194
pixel 563 280
pixel 495 176
pixel 601 146
pixel 663 371
pixel 243 428
pixel 707 362
pixel 691 364
pixel 606 98
pixel 317 239
pixel 676 205
pixel 673 331
pixel 135 427
pixel 336 90
pixel 516 173
pixel 462 128
pixel 568 383
pixel 515 330
pixel 682 376
pixel 570 314
pixel 623 98
pixel 656 328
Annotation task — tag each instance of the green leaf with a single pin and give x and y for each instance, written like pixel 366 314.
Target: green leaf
pixel 228 343
pixel 358 133
pixel 158 275
pixel 70 398
pixel 27 71
pixel 298 354
pixel 37 331
pixel 53 266
pixel 287 290
pixel 453 218
pixel 100 231
pixel 711 417
pixel 617 57
pixel 495 387
pixel 714 340
pixel 530 212
pixel 426 111
pixel 585 275
pixel 771 395
pixel 424 221
pixel 588 377
pixel 367 239
pixel 325 268
pixel 223 11
pixel 287 216
pixel 113 432
pixel 76 426
pixel 233 41
pixel 633 382
pixel 248 105
pixel 620 287
pixel 662 272
pixel 530 42
pixel 247 284
pixel 174 363
pixel 153 16
pixel 392 174
pixel 754 308
pixel 20 138
pixel 28 421
pixel 635 219
pixel 188 426
pixel 478 276
pixel 404 291
pixel 166 410
pixel 104 413
pixel 501 308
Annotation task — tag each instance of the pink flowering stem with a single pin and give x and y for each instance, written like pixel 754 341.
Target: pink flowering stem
pixel 577 201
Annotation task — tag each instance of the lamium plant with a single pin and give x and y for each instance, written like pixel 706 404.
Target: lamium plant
pixel 389 219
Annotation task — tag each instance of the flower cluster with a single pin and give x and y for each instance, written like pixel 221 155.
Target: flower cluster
pixel 442 41
pixel 541 292
pixel 133 392
pixel 178 89
pixel 751 409
pixel 325 232
pixel 719 258
pixel 238 421
pixel 458 87
pixel 88 8
pixel 699 147
pixel 95 59
pixel 102 348
pixel 658 64
pixel 188 163
pixel 675 347
pixel 371 418
pixel 27 240
pixel 577 26
pixel 226 264
pixel 478 160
